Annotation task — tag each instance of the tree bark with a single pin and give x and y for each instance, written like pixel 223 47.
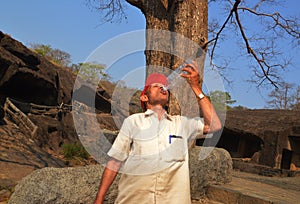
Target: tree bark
pixel 164 50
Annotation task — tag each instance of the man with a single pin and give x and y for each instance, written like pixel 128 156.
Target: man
pixel 151 148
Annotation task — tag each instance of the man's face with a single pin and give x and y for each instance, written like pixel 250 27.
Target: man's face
pixel 157 94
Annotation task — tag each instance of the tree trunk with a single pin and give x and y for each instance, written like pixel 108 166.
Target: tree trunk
pixel 166 21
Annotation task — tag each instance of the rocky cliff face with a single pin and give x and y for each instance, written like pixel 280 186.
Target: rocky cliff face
pixel 264 136
pixel 28 79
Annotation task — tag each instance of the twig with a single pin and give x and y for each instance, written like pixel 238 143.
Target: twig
pixel 261 62
pixel 235 6
pixel 279 20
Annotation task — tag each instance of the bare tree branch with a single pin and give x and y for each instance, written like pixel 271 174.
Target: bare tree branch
pixel 223 26
pixel 262 2
pixel 288 25
pixel 263 56
pixel 110 9
pixel 258 48
pixel 265 67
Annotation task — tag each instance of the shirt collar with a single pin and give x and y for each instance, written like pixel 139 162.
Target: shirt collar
pixel 150 112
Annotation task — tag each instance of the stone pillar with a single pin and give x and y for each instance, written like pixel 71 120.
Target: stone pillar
pixel 269 151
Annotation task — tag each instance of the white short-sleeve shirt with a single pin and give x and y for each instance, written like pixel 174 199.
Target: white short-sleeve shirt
pixel 155 156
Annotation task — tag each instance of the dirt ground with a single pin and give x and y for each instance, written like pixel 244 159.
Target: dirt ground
pixel 14 172
pixel 254 188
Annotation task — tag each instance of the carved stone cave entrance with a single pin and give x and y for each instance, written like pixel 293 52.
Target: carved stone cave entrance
pixel 238 144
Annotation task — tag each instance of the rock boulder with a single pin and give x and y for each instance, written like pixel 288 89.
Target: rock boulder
pixel 80 184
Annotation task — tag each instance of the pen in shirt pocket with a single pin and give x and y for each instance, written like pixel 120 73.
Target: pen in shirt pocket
pixel 173 136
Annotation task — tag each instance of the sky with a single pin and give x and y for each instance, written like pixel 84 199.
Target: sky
pixel 73 27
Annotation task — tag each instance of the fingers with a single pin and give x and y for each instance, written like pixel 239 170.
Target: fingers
pixel 190 69
pixel 193 66
pixel 191 73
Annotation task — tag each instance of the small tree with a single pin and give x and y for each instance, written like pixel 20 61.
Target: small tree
pixel 90 71
pixel 282 98
pixel 75 68
pixel 56 56
pixel 296 100
pixel 60 57
pixel 43 50
pixel 221 100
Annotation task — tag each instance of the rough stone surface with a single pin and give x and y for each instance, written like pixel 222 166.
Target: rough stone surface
pixel 61 185
pixel 80 184
pixel 258 121
pixel 28 78
pixel 208 165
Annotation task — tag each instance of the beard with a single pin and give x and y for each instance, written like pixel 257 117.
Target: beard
pixel 161 100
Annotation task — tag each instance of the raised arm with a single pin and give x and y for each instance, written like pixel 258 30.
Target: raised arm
pixel 109 174
pixel 211 120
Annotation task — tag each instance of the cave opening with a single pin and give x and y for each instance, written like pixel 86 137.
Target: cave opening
pixel 239 145
pixel 295 149
pixel 25 87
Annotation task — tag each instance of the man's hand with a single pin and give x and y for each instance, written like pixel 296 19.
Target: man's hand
pixel 211 120
pixel 192 74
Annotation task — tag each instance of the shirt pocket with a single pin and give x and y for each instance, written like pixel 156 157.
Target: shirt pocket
pixel 176 150
pixel 144 148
